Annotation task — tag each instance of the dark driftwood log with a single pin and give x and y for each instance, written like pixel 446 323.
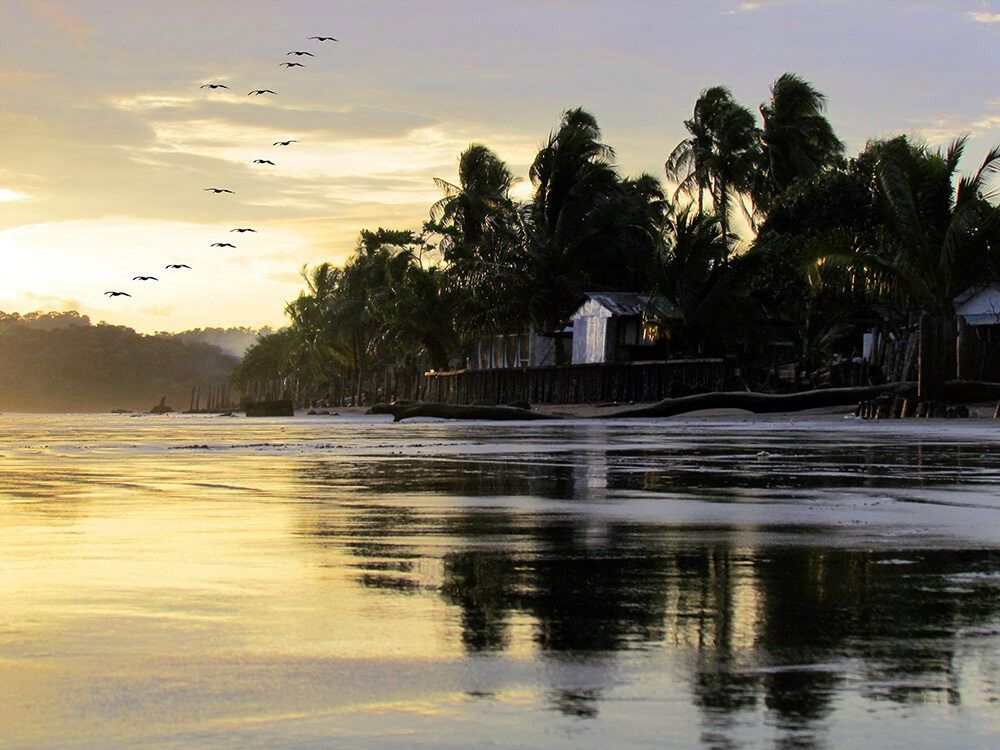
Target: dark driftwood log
pixel 455 411
pixel 761 403
pixel 392 408
pixel 273 408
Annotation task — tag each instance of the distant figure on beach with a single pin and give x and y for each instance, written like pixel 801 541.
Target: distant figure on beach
pixel 161 408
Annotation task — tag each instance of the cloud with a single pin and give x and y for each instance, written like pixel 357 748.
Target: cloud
pixel 986 124
pixel 984 16
pixel 160 311
pixel 288 277
pixel 23 77
pixel 749 7
pixel 946 127
pixel 56 16
pixel 49 302
pixel 7 194
pixel 226 112
pixel 69 265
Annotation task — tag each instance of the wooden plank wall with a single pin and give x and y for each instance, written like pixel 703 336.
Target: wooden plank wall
pixel 570 384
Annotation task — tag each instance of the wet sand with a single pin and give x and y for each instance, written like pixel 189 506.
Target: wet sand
pixel 736 581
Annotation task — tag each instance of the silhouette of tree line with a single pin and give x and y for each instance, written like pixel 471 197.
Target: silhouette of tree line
pixel 827 244
pixel 61 362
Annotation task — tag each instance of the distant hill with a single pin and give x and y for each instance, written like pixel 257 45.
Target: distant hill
pixel 44 321
pixel 59 362
pixel 231 340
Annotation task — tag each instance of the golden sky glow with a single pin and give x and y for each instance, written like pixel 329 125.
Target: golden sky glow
pixel 107 140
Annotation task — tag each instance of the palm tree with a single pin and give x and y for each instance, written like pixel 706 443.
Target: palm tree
pixel 692 275
pixel 481 198
pixel 719 156
pixel 943 234
pixel 797 140
pixel 313 323
pixel 580 219
pixel 477 220
pixel 421 319
pixel 641 207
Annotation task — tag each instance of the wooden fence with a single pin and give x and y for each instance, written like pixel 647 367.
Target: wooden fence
pixel 978 360
pixel 895 354
pixel 569 384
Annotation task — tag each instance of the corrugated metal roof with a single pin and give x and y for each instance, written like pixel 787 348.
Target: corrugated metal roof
pixel 620 303
pixel 980 305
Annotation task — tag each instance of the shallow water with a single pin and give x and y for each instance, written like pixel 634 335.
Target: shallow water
pixel 348 582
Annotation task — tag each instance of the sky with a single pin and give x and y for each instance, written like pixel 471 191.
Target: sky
pixel 108 141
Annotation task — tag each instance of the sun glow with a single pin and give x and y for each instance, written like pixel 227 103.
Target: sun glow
pixel 51 265
pixel 7 194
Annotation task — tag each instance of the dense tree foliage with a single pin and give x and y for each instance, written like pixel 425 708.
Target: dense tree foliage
pixel 769 227
pixel 796 140
pixel 60 362
pixel 722 154
pixel 231 340
pixel 827 245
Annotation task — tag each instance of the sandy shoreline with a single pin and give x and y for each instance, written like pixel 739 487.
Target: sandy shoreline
pixel 590 411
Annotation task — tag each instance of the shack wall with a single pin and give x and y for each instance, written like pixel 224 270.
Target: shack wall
pixel 591 341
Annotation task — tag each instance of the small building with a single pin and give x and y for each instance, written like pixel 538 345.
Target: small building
pixel 515 350
pixel 980 306
pixel 615 327
pixel 978 312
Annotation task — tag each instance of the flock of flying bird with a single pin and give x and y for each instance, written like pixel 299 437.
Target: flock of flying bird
pixel 218 190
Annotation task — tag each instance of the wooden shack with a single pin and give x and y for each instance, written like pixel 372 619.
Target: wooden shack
pixel 529 348
pixel 977 311
pixel 609 327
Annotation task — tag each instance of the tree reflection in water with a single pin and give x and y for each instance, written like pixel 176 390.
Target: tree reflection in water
pixel 774 625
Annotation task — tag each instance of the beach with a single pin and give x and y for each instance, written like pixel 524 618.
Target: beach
pixel 343 581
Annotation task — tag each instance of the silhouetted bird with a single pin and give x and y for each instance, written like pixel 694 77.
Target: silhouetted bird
pixel 290 65
pixel 214 86
pixel 144 278
pixel 263 161
pixel 118 294
pixel 243 229
pixel 297 52
pixel 223 244
pixel 258 92
pixel 178 265
pixel 219 190
pixel 324 38
pixel 283 143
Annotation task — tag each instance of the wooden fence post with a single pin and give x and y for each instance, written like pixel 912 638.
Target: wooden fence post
pixel 929 380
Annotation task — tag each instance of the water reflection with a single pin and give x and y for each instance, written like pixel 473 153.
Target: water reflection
pixel 782 628
pixel 674 584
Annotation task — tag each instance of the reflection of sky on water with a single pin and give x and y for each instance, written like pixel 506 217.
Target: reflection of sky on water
pixel 303 583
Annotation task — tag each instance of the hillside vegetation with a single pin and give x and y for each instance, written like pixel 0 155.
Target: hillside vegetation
pixel 60 362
